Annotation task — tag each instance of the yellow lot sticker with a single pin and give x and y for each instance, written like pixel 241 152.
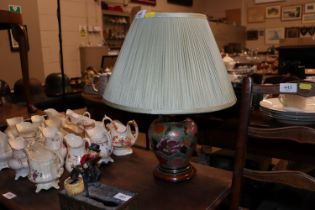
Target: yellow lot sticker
pixel 305 86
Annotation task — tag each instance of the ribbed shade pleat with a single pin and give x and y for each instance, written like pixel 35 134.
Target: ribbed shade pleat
pixel 170 64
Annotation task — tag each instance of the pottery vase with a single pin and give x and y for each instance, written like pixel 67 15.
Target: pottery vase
pixel 173 142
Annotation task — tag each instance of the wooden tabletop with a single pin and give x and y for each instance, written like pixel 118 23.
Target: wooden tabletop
pixel 132 173
pixel 9 110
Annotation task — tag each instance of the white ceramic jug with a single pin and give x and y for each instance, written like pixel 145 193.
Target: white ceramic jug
pixel 76 149
pixel 53 140
pixel 38 120
pixel 5 151
pixel 101 136
pixel 122 136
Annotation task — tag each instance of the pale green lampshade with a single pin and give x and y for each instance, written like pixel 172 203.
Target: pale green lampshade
pixel 169 64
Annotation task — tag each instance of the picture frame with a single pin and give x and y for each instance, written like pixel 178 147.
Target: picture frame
pixel 255 14
pixel 292 32
pixel 273 11
pixel 273 35
pixel 293 12
pixel 147 2
pixel 252 35
pixel 308 18
pixel 181 2
pixel 309 7
pixel 266 1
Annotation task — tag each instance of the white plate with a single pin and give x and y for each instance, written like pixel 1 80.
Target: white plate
pixel 275 105
pixel 272 107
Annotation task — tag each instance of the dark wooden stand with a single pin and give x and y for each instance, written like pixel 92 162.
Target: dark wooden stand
pixel 9 20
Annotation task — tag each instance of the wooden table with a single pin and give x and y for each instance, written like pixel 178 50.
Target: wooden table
pixel 9 110
pixel 132 173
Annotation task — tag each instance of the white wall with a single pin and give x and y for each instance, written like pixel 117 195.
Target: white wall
pixel 41 17
pixel 74 13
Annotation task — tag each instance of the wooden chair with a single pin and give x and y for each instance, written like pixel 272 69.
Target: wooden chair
pixel 300 134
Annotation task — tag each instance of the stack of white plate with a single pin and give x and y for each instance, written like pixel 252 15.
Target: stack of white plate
pixel 274 108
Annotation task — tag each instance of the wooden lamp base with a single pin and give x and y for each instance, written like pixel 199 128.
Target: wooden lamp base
pixel 177 175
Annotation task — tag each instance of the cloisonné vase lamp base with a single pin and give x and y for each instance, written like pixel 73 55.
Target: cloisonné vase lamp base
pixel 173 142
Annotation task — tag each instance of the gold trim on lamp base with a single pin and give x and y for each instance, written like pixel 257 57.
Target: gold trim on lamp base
pixel 174 175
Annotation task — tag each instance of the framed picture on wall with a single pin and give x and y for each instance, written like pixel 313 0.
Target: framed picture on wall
pixel 273 35
pixel 252 35
pixel 273 11
pixel 309 7
pixel 292 32
pixel 148 2
pixel 266 1
pixel 308 18
pixel 181 2
pixel 291 12
pixel 255 14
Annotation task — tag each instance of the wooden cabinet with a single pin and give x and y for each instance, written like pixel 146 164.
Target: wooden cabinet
pixel 115 27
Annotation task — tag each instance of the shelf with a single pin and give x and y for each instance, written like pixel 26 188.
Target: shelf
pixel 115 24
pixel 114 13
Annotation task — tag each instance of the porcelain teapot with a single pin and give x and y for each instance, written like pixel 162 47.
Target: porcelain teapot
pixel 122 136
pixel 101 136
pixel 53 140
pixel 76 149
pixel 45 167
pixel 19 161
pixel 5 151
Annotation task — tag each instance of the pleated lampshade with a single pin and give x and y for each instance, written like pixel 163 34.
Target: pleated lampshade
pixel 169 64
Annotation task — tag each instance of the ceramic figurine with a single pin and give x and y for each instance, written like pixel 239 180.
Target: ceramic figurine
pixel 19 161
pixel 88 167
pixel 76 149
pixel 122 136
pixel 101 136
pixel 5 151
pixel 45 167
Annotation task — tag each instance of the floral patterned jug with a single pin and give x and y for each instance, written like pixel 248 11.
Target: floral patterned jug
pixel 122 136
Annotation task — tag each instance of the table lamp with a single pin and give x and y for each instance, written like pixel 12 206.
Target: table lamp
pixel 170 65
